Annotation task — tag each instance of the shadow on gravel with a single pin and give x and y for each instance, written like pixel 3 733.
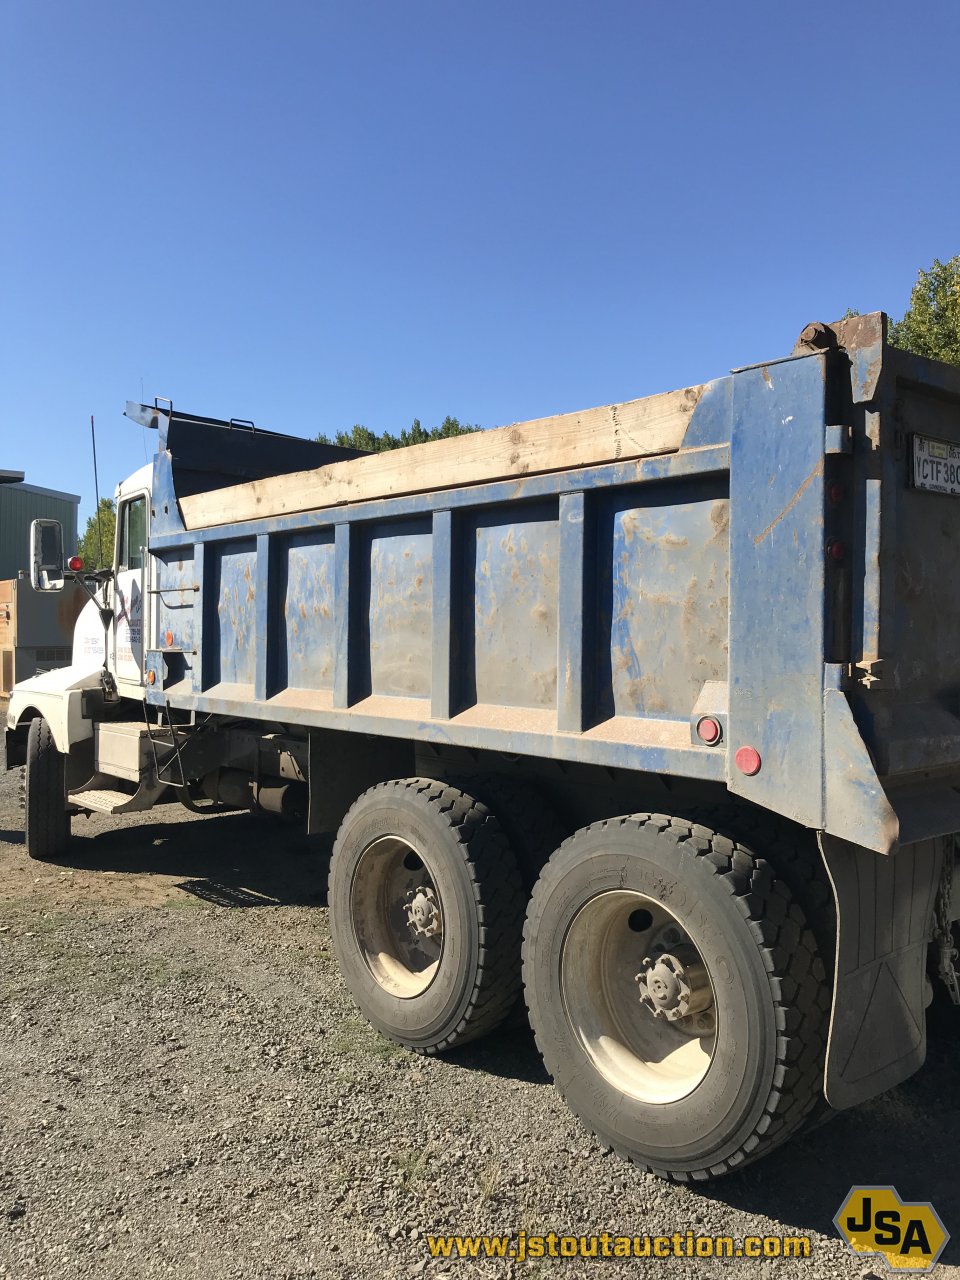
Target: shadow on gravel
pixel 11 837
pixel 510 1052
pixel 235 860
pixel 906 1139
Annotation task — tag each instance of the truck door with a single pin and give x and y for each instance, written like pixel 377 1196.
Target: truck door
pixel 129 606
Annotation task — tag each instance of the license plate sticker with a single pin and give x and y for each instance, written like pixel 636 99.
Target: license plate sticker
pixel 936 465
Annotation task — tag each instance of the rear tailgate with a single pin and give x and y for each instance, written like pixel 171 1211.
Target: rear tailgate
pixel 909 497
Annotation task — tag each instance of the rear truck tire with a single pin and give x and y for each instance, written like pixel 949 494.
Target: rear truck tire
pixel 47 820
pixel 534 832
pixel 793 853
pixel 676 995
pixel 426 913
pixel 529 821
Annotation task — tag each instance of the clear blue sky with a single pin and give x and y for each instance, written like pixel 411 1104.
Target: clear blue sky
pixel 313 214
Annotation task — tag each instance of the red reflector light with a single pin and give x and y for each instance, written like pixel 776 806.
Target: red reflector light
pixel 168 636
pixel 835 549
pixel 708 730
pixel 835 494
pixel 74 564
pixel 748 760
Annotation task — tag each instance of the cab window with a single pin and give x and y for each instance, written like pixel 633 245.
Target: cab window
pixel 132 534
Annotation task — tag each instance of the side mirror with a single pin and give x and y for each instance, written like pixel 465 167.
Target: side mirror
pixel 46 555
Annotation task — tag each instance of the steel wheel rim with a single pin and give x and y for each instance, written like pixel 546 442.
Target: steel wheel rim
pixel 643 1056
pixel 391 881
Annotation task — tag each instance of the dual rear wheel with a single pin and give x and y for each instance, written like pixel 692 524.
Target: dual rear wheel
pixel 676 994
pixel 673 986
pixel 426 910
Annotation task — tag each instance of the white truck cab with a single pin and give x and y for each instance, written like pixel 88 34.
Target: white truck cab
pixel 110 633
pixel 131 591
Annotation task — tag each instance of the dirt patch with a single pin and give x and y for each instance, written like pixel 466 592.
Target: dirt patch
pixel 187 1090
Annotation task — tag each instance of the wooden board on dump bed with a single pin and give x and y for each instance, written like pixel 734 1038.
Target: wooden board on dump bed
pixel 611 433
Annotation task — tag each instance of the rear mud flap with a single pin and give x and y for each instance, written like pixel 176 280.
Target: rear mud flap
pixel 884 921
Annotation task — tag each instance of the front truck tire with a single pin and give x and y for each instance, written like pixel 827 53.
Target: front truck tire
pixel 676 995
pixel 426 911
pixel 47 819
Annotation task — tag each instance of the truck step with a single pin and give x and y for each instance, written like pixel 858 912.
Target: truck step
pixel 104 801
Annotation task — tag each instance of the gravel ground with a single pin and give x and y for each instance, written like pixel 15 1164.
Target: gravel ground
pixel 187 1090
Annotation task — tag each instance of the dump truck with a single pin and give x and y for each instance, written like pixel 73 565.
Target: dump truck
pixel 649 712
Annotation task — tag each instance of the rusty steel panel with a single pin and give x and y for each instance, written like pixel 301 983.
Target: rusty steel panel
pixel 398 614
pixel 778 576
pixel 509 640
pixel 305 603
pixel 663 584
pixel 233 648
pixel 174 596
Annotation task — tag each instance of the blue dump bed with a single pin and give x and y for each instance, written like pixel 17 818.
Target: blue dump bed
pixel 783 562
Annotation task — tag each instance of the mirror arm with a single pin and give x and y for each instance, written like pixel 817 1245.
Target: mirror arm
pixel 100 577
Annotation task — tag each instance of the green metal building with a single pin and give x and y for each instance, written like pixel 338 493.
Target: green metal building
pixel 20 504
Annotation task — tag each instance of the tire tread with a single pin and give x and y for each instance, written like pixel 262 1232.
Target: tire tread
pixel 498 897
pixel 47 822
pixel 790 954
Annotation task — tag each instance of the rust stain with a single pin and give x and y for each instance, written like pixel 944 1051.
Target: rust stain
pixel 766 377
pixel 720 519
pixel 817 470
pixel 691 398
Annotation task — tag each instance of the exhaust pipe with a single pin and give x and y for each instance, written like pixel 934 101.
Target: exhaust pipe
pixel 279 796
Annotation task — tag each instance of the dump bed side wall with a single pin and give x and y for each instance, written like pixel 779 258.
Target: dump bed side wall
pixel 578 614
pixel 585 615
pixel 594 615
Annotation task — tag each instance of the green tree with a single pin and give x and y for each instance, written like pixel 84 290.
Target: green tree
pixel 89 548
pixel 931 324
pixel 361 437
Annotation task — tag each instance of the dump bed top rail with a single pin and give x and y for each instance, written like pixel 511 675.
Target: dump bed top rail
pixel 636 429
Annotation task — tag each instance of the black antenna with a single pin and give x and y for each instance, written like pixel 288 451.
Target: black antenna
pixel 96 490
